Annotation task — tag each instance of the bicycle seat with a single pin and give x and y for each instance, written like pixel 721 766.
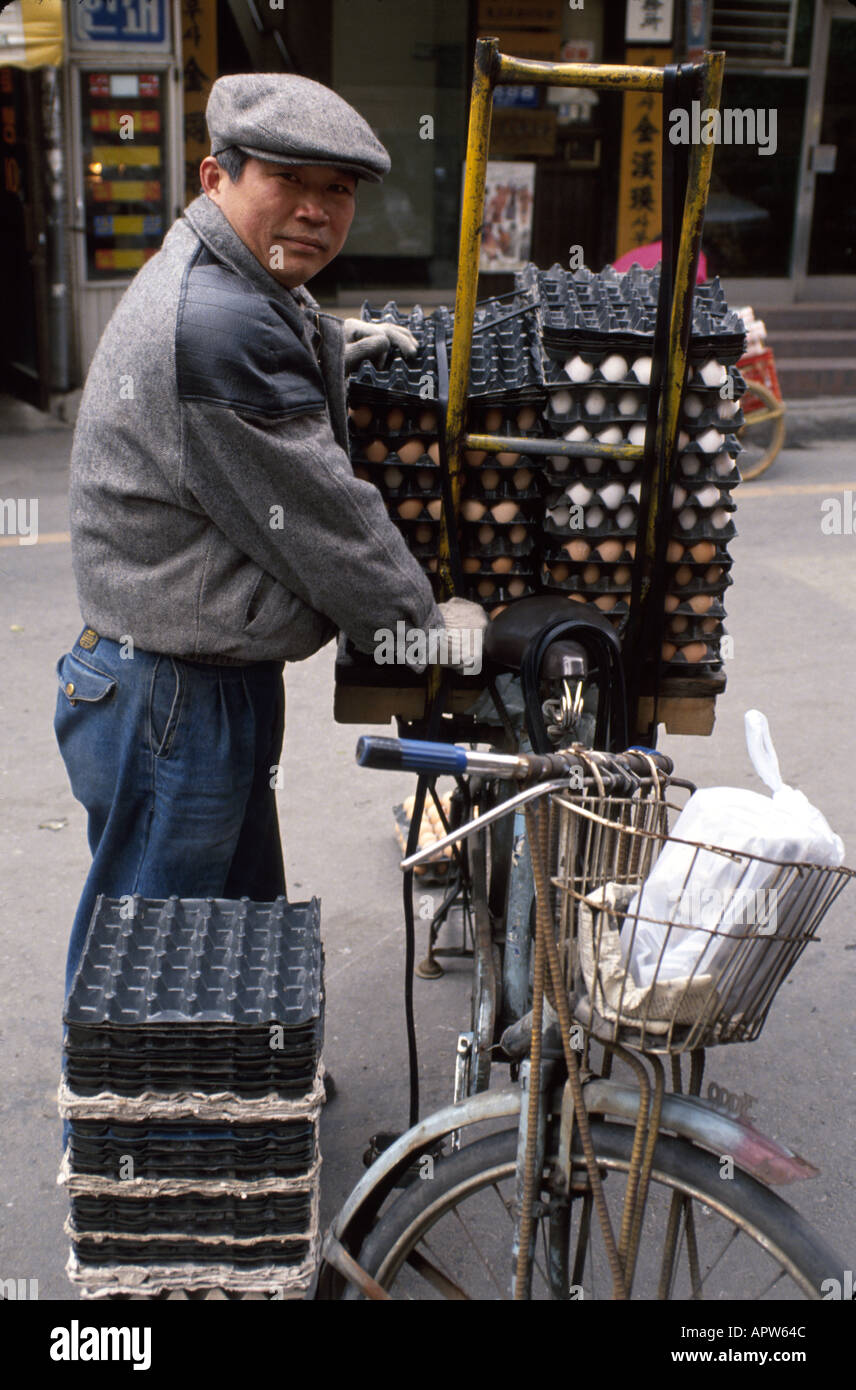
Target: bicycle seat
pixel 508 636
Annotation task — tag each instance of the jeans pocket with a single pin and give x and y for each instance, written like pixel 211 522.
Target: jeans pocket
pixel 165 702
pixel 81 683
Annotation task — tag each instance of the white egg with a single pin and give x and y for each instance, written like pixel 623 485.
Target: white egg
pixel 628 403
pixel 580 494
pixel 707 496
pixel 713 373
pixel 719 518
pixel 635 491
pixel 559 463
pixel 577 369
pixel 611 435
pixel 595 402
pixel 726 409
pixel 578 434
pixel 626 465
pixel 611 494
pixel 693 405
pixel 592 465
pixel 691 464
pixel 636 435
pixel 642 370
pixel 614 367
pixel 561 402
pixel 624 517
pixel 559 515
pixel 710 441
pixel 723 465
pixel 679 495
pixel 594 516
pixel 687 518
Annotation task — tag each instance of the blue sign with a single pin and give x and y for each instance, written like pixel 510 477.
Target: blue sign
pixel 119 23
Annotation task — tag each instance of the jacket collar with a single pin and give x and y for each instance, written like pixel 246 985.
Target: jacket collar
pixel 216 231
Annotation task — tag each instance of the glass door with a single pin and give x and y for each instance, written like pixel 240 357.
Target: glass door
pixel 832 245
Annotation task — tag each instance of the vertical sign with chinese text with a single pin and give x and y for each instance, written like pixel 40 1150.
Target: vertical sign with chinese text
pixel 640 180
pixel 199 68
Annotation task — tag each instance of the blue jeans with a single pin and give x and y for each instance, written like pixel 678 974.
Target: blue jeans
pixel 174 762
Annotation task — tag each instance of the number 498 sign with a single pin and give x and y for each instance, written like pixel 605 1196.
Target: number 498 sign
pixel 101 24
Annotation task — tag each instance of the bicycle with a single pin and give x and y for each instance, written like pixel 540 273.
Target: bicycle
pixel 621 1183
pixel 763 432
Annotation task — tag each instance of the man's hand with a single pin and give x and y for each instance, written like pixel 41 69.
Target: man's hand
pixel 375 341
pixel 460 648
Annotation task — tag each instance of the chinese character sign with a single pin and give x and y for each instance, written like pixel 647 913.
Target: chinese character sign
pixel 199 67
pixel 648 21
pixel 640 181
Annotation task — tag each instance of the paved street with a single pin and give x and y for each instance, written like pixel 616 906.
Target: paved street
pixel 792 614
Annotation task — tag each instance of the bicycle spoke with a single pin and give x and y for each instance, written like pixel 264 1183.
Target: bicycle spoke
pixel 480 1254
pixel 434 1275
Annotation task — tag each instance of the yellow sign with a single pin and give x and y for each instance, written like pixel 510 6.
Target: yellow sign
pixel 641 174
pixel 31 34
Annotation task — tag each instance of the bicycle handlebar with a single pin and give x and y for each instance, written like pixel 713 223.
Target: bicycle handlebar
pixel 417 755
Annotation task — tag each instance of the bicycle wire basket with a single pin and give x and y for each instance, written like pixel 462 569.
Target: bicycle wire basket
pixel 706 971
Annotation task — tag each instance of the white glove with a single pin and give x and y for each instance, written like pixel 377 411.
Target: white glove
pixel 375 340
pixel 457 645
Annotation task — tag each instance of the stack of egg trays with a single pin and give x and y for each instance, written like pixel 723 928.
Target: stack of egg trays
pixel 192 1089
pixel 598 334
pixel 395 444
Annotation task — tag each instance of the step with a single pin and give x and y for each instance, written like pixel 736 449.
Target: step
pixel 810 342
pixel 824 315
pixel 816 376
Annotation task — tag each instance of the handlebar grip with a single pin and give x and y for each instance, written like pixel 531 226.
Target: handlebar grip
pixel 411 755
pixel 639 765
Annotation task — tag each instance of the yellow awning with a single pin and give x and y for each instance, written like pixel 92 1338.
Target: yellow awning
pixel 31 34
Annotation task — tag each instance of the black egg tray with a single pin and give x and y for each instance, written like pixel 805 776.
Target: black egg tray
pixel 685 610
pixel 237 1151
pixel 206 1043
pixel 579 413
pixel 693 631
pixel 608 527
pixel 409 489
pixel 293 1077
pixel 358 456
pixel 604 584
pixel 730 443
pixel 500 545
pixel 706 472
pixel 505 491
pixel 379 429
pixel 93 1252
pixel 557 377
pixel 596 484
pixel 703 528
pixel 608 471
pixel 522 567
pixel 698 584
pixel 240 1217
pixel 500 594
pixel 557 555
pixel 676 666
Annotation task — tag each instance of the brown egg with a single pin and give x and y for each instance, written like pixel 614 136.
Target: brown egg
pixel 361 416
pixel 472 510
pixel 695 651
pixel 591 574
pixel 486 587
pixel 395 418
pixel 671 603
pixel 502 564
pixel 630 547
pixel 495 612
pixel 674 552
pixel 426 479
pixel 668 650
pixel 361 472
pixel 622 575
pixel 713 574
pixel 517 534
pixel 605 602
pixel 507 460
pixel 683 575
pixel 700 603
pixel 709 624
pixel 393 477
pixel 610 550
pixel 517 587
pixel 376 452
pixel 493 420
pixel 410 508
pixel 522 478
pixel 559 572
pixel 435 508
pixel 578 598
pixel 489 478
pixel 526 417
pixel 475 457
pixel 410 450
pixel 434 452
pixel 504 511
pixel 433 564
pixel 486 534
pixel 578 550
pixel 428 421
pixel 703 551
pixel 424 533
pixel 472 565
pixel 679 624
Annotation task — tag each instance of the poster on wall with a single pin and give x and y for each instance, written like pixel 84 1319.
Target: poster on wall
pixel 509 197
pixel 648 21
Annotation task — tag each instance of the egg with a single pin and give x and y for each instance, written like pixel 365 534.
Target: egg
pixel 605 602
pixel 624 517
pixel 683 575
pixel 489 478
pixel 693 405
pixel 723 464
pixel 471 565
pixel 701 603
pixel 507 460
pixel 628 403
pixel 486 587
pixel 668 650
pixel 614 367
pixel 433 564
pixel 595 516
pixel 472 510
pixel 560 516
pixel 517 534
pixel 474 457
pixel 591 574
pixel 713 373
pixel 636 435
pixel 612 494
pixel 611 435
pixel 517 587
pixel 578 435
pixel 622 575
pixel 559 572
pixel 485 534
pixel 625 465
pixel 580 494
pixel 690 465
pixel 578 550
pixel 559 463
pixel 577 369
pixel 435 508
pixel 610 550
pixel 526 417
pixel 635 491
pixel 630 547
pixel 726 410
pixel 719 518
pixel 674 552
pixel 410 450
pixel 703 551
pixel 410 509
pixel 592 465
pixel 679 495
pixel 642 370
pixel 679 624
pixel 424 533
pixel 495 612
pixel 578 598
pixel 707 496
pixel 361 416
pixel 671 602
pixel 395 418
pixel 683 439
pixel 493 420
pixel 687 518
pixel 376 452
pixel 709 624
pixel 363 473
pixel 595 402
pixel 426 479
pixel 561 401
pixel 713 574
pixel 434 452
pixel 427 421
pixel 504 511
pixel 502 564
pixel 393 477
pixel 522 478
pixel 710 441
pixel 694 651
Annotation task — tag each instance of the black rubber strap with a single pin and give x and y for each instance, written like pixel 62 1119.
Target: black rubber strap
pixel 601 646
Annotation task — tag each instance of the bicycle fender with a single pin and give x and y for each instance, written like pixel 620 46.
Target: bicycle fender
pixel 698 1120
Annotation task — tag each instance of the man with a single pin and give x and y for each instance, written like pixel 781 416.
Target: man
pixel 217 527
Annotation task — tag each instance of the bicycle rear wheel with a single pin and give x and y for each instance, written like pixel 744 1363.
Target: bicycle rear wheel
pixel 763 434
pixel 450 1236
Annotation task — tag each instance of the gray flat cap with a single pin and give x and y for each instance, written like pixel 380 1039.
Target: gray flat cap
pixel 292 120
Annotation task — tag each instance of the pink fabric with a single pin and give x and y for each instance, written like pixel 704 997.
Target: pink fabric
pixel 651 255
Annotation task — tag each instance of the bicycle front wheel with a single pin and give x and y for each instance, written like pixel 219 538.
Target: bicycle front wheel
pixel 704 1235
pixel 763 434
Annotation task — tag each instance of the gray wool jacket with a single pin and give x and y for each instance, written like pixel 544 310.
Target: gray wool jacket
pixel 214 510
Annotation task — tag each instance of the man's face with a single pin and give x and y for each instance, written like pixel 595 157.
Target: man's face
pixel 293 217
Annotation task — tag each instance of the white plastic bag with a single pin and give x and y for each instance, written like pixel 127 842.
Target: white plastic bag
pixel 704 892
